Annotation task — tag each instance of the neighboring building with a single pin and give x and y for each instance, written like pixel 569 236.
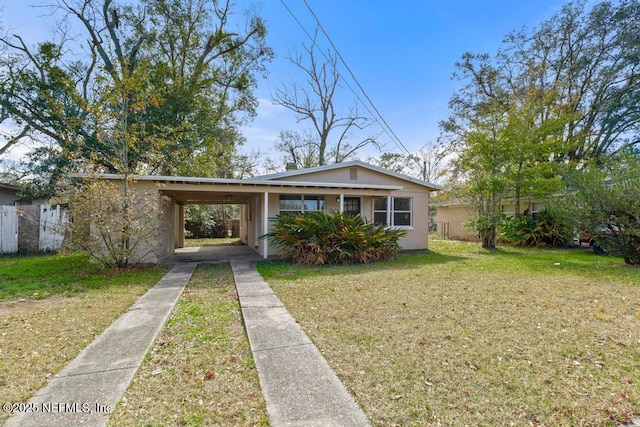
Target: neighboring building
pixel 452 215
pixel 355 187
pixel 8 194
pixel 450 219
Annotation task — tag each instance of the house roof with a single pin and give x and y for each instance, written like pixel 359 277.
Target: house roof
pixel 9 187
pixel 352 163
pixel 252 182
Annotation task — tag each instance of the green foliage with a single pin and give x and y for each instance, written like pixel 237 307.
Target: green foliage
pixel 546 229
pixel 318 238
pixel 606 203
pixel 564 92
pixel 171 80
pixel 116 225
pixel 210 221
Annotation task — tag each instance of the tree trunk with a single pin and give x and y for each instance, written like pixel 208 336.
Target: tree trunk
pixel 518 213
pixel 489 238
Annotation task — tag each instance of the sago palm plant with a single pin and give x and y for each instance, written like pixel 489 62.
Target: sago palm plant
pixel 318 238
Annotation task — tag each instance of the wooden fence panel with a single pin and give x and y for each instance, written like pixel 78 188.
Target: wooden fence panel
pixel 53 221
pixel 22 230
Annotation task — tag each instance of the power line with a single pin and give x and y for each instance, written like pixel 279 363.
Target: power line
pixel 322 52
pixel 377 116
pixel 397 139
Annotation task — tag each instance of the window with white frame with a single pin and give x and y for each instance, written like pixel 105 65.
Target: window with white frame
pixel 393 211
pixel 294 204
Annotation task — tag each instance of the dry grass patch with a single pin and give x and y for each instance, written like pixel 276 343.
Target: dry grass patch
pixel 459 336
pixel 200 370
pixel 39 337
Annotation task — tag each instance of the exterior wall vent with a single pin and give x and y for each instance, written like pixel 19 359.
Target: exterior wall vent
pixel 353 174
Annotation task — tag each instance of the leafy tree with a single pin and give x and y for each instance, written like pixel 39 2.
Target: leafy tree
pixel 477 135
pixel 198 75
pixel 534 123
pixel 481 163
pixel 565 92
pixel 606 202
pixel 590 58
pixel 315 101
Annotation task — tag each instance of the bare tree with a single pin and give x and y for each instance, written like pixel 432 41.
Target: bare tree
pixel 430 163
pixel 433 158
pixel 315 101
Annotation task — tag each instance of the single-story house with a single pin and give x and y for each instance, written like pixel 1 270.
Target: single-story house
pixel 451 216
pixel 355 187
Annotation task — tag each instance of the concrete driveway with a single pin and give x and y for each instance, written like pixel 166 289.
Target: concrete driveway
pixel 214 254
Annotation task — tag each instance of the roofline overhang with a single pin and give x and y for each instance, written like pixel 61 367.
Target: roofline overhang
pixel 245 182
pixel 351 163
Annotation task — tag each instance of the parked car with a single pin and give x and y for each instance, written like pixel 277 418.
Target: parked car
pixel 591 239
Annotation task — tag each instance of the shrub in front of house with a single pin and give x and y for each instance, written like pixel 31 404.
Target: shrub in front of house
pixel 319 238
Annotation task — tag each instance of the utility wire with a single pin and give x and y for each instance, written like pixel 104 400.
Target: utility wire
pixel 377 116
pixel 324 54
pixel 395 137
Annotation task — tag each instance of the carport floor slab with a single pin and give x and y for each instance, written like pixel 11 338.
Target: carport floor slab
pixel 299 386
pixel 85 390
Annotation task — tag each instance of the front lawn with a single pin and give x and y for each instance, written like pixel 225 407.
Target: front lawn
pixel 74 302
pixel 39 276
pixel 461 336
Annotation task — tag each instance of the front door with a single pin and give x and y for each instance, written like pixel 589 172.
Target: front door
pixel 352 205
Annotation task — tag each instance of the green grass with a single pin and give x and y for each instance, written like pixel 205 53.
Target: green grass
pixel 461 336
pixel 197 243
pixel 39 336
pixel 200 370
pixel 40 276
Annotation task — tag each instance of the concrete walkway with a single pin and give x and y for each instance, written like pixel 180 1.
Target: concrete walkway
pixel 299 387
pixel 84 392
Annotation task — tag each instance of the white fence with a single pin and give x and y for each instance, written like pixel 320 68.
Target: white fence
pixel 53 221
pixel 31 228
pixel 8 230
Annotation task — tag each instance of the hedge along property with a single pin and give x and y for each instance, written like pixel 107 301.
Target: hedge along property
pixel 354 187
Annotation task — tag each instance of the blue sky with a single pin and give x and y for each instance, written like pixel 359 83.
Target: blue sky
pixel 402 53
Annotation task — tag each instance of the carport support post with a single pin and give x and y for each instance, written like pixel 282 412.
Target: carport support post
pixel 341 203
pixel 180 226
pixel 265 224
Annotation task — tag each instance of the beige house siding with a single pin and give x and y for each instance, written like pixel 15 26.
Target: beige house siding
pixel 450 222
pixel 450 218
pixel 417 235
pixel 345 176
